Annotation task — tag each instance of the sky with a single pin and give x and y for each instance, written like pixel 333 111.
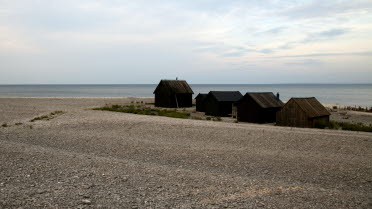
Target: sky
pixel 201 41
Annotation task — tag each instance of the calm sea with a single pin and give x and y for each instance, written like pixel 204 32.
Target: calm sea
pixel 342 94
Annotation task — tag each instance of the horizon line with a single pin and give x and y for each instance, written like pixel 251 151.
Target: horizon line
pixel 49 84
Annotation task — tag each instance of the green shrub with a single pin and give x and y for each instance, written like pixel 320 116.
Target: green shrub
pixel 344 126
pixel 208 118
pixel 4 125
pixel 321 124
pixel 175 115
pixel 355 127
pixel 115 106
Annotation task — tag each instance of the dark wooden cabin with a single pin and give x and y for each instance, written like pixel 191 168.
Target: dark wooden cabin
pixel 258 107
pixel 173 93
pixel 302 112
pixel 219 103
pixel 200 102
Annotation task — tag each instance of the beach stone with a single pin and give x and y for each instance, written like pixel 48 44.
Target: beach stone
pixel 86 201
pixel 173 163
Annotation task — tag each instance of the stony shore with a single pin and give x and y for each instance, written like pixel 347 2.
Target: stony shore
pixel 96 159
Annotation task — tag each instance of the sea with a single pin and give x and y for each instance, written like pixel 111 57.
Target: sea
pixel 337 94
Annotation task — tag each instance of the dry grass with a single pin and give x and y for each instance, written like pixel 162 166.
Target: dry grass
pixel 143 110
pixel 49 116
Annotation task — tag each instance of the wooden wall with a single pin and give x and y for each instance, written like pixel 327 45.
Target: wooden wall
pixel 250 111
pixel 217 108
pixel 200 107
pixel 164 99
pixel 292 115
pixel 211 106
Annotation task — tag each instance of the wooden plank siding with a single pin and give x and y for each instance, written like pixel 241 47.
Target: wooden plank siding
pixel 173 94
pixel 293 115
pixel 258 107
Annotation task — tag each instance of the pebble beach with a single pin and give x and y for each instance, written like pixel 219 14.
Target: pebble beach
pixel 85 158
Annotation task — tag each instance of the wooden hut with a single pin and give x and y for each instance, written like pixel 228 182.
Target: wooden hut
pixel 258 107
pixel 173 93
pixel 200 102
pixel 219 103
pixel 302 112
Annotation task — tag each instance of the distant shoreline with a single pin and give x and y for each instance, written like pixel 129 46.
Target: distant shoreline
pixel 190 84
pixel 339 106
pixel 73 97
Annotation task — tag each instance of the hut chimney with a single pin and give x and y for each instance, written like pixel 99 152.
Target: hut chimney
pixel 277 95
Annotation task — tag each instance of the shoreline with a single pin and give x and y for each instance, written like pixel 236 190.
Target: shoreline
pixel 72 97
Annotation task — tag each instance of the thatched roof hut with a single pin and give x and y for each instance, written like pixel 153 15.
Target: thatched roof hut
pixel 200 102
pixel 258 107
pixel 219 103
pixel 173 93
pixel 302 112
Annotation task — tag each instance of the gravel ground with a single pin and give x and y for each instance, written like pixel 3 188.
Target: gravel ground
pixel 352 117
pixel 96 159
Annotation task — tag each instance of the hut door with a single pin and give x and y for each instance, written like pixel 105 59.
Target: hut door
pixel 175 95
pixel 292 116
pixel 234 113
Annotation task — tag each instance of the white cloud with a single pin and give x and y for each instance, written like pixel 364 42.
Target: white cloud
pixel 12 40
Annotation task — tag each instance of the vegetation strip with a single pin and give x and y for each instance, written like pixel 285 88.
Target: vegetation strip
pixel 142 110
pixel 344 126
pixel 49 116
pixel 145 110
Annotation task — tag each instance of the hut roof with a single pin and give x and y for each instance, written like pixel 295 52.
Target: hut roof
pixel 311 106
pixel 265 99
pixel 175 86
pixel 226 96
pixel 201 96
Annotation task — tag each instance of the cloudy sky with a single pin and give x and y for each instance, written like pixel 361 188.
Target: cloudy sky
pixel 202 41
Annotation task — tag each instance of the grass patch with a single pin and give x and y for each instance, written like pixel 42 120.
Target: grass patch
pixel 344 126
pixel 9 125
pixel 142 110
pixel 44 117
pixel 58 112
pixel 217 119
pixel 49 116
